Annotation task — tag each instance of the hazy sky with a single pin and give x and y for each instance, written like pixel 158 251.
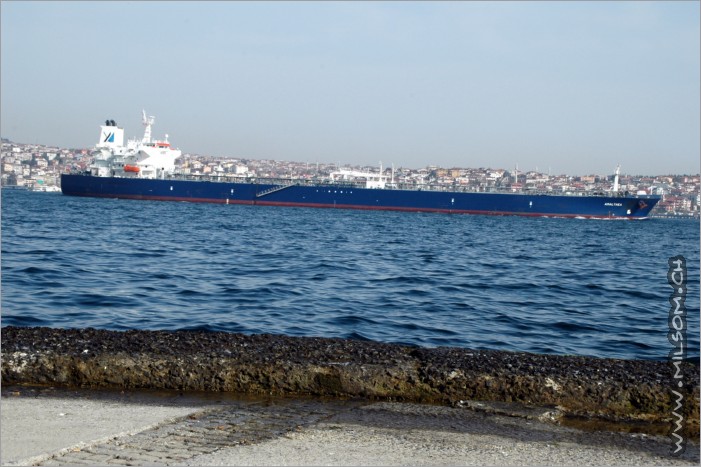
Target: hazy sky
pixel 576 87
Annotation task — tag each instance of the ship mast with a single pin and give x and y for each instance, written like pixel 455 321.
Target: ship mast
pixel 147 122
pixel 615 179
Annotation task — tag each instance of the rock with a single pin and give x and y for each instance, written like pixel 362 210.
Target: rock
pixel 610 389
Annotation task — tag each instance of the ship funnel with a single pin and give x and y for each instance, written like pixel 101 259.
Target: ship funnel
pixel 111 136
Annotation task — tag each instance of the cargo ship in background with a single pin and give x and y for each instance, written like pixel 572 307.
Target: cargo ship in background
pixel 145 170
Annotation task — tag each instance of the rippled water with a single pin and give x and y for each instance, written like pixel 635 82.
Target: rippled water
pixel 562 286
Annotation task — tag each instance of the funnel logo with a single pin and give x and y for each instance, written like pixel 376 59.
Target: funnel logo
pixel 109 137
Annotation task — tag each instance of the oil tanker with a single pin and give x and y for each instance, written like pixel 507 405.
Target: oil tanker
pixel 145 170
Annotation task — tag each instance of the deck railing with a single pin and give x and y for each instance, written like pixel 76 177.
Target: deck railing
pixel 287 181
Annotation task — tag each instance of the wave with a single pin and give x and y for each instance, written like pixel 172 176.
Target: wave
pixel 522 284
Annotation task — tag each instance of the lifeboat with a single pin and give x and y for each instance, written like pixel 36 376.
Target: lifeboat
pixel 131 168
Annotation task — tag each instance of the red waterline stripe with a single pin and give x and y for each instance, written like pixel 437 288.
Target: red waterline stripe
pixel 354 206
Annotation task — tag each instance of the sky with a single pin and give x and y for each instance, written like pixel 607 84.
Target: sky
pixel 567 87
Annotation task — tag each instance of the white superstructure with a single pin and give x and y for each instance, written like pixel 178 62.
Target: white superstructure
pixel 139 158
pixel 372 180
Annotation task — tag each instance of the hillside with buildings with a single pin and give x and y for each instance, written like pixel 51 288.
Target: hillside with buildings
pixel 39 167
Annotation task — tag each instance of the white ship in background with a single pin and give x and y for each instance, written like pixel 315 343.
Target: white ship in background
pixel 139 158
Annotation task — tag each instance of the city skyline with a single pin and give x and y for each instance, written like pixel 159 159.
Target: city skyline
pixel 571 87
pixel 29 151
pixel 39 168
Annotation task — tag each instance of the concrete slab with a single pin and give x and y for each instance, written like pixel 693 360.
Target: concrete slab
pixel 37 423
pixel 72 427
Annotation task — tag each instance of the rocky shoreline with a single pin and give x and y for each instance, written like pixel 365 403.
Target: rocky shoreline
pixel 611 390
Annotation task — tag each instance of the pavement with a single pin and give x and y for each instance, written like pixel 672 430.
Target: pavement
pixel 53 426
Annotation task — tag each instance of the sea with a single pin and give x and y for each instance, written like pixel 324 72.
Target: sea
pixel 545 285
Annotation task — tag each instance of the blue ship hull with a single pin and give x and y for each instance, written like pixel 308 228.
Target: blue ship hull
pixel 348 197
